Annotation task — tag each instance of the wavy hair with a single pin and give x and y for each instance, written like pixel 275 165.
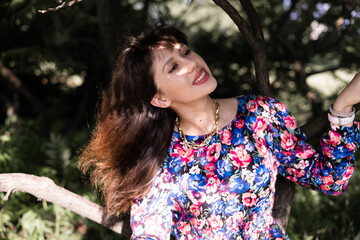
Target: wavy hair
pixel 131 137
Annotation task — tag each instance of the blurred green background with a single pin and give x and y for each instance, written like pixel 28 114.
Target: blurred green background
pixel 60 61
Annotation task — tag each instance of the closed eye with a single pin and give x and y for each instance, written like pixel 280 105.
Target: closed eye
pixel 173 68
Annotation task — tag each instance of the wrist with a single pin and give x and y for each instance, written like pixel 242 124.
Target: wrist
pixel 339 107
pixel 344 117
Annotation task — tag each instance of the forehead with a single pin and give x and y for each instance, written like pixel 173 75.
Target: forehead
pixel 163 49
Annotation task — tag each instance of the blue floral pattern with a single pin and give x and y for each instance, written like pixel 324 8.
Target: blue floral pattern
pixel 226 190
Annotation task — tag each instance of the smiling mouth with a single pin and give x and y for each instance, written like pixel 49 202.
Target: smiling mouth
pixel 202 78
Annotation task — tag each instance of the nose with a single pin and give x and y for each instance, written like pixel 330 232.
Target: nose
pixel 192 65
pixel 189 65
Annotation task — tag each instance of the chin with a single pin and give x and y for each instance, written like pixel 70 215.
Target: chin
pixel 213 85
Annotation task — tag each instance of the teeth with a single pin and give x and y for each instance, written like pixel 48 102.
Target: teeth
pixel 200 77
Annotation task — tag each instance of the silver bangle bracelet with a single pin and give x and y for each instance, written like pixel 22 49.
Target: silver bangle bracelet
pixel 341 121
pixel 341 114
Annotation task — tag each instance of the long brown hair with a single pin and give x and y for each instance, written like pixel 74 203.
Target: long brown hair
pixel 131 137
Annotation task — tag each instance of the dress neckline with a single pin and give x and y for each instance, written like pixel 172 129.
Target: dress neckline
pixel 199 137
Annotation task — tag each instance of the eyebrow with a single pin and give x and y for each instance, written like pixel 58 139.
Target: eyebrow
pixel 170 59
pixel 167 62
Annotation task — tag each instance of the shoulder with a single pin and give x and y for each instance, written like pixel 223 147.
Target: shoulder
pixel 257 103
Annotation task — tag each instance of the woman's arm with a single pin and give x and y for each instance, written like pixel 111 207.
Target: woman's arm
pixel 327 170
pixel 151 217
pixel 349 96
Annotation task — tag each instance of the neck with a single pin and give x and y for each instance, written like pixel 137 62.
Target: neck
pixel 198 117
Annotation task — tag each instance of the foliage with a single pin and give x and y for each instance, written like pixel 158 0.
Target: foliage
pixel 60 59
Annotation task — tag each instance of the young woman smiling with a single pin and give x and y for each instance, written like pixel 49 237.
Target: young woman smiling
pixel 203 168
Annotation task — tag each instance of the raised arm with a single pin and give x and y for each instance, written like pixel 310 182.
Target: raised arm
pixel 349 96
pixel 326 170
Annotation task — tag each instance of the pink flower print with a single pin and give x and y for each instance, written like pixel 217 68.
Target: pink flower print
pixel 240 157
pixel 226 137
pixel 291 178
pixel 239 124
pixel 137 210
pixel 350 146
pixel 195 210
pixel 340 182
pixel 261 146
pixel 280 107
pixel 328 180
pixel 334 138
pixel 260 126
pixel 184 181
pixel 325 187
pixel 151 228
pixel 212 185
pixel 302 164
pixel 177 206
pixel 197 198
pixel 249 199
pixel 252 106
pixel 215 222
pixel 165 177
pixel 301 153
pixel 288 140
pixel 348 173
pixel 209 169
pixel 186 155
pixel 208 232
pixel 328 151
pixel 295 172
pixel 197 223
pixel 213 152
pixel 290 122
pixel 264 105
pixel 183 227
pixel 234 221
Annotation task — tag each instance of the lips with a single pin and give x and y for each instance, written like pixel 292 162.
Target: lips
pixel 201 77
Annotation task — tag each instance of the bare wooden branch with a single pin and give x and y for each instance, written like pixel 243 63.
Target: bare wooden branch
pixel 62 4
pixel 44 188
pixel 237 19
pixel 253 18
pixel 254 38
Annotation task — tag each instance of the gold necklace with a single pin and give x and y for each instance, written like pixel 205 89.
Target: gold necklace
pixel 206 140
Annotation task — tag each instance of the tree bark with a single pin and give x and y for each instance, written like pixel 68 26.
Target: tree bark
pixel 254 37
pixel 45 189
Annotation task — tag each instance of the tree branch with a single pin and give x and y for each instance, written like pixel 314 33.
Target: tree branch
pixel 62 4
pixel 253 18
pixel 254 39
pixel 44 188
pixel 237 19
pixel 331 68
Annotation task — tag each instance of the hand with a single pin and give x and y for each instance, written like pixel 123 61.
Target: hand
pixel 349 96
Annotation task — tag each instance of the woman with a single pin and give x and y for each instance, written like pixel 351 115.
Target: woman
pixel 201 168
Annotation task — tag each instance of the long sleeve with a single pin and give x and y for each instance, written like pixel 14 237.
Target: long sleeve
pixel 151 217
pixel 327 170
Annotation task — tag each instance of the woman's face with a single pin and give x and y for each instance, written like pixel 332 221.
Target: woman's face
pixel 181 76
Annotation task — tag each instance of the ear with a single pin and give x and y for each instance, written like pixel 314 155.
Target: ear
pixel 159 101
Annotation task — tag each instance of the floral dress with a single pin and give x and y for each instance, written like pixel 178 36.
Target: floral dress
pixel 226 190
